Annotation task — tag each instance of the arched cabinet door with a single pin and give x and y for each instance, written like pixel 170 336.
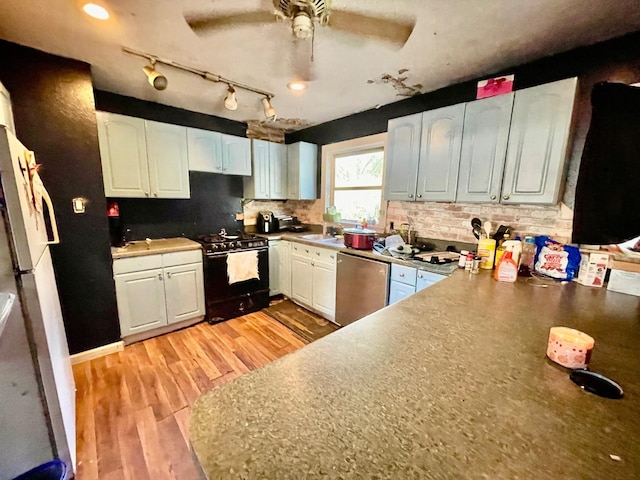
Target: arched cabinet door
pixel 403 154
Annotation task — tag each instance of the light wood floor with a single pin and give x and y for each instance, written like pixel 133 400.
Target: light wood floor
pixel 133 406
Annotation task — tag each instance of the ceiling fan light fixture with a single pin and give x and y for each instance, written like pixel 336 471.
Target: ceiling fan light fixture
pixel 297 86
pixel 269 111
pixel 302 25
pixel 156 79
pixel 230 101
pixel 96 11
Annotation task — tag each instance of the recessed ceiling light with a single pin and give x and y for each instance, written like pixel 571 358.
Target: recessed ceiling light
pixel 96 11
pixel 297 86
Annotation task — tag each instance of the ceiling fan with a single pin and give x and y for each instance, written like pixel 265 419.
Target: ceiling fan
pixel 304 14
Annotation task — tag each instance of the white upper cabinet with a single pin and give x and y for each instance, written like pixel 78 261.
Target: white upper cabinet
pixel 236 155
pixel 538 141
pixel 401 167
pixel 141 158
pixel 168 160
pixel 484 149
pixel 269 179
pixel 440 145
pixel 302 174
pixel 205 150
pixel 123 150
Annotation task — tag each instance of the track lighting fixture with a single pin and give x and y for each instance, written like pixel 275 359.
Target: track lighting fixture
pixel 159 81
pixel 269 111
pixel 156 79
pixel 230 101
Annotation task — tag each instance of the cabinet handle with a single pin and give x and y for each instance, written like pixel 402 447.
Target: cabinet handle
pixel 307 251
pixel 146 194
pixel 505 197
pixel 493 197
pixel 331 257
pixel 313 264
pixel 159 276
pixel 419 276
pixel 401 275
pixel 155 194
pixel 168 274
pixel 411 195
pixel 318 253
pixel 419 195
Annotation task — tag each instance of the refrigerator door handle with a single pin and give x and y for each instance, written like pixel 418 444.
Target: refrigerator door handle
pixel 52 217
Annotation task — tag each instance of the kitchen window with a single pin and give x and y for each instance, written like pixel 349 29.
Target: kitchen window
pixel 355 170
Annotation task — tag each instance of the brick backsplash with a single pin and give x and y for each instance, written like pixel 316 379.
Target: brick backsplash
pixel 452 221
pixel 448 221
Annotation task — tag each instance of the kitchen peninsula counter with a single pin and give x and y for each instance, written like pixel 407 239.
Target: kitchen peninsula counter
pixel 452 382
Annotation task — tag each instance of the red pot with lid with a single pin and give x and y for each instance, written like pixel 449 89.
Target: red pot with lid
pixel 359 238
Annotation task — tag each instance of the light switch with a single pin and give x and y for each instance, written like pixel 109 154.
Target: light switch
pixel 79 204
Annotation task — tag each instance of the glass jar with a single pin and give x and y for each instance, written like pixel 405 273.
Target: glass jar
pixel 528 257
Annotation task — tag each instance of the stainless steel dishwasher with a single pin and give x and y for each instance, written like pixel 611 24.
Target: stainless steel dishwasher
pixel 362 287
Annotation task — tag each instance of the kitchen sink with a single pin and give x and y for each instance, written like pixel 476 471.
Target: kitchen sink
pixel 316 237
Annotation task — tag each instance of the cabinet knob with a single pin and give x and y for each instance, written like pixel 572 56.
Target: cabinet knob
pixel 159 276
pixel 411 195
pixel 419 276
pixel 505 197
pixel 146 194
pixel 401 275
pixel 493 197
pixel 155 194
pixel 419 195
pixel 168 274
pixel 318 253
pixel 313 264
pixel 307 251
pixel 331 257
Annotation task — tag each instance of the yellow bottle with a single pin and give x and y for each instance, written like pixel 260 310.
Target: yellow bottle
pixel 486 251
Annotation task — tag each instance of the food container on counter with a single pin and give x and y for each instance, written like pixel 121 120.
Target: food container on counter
pixel 359 238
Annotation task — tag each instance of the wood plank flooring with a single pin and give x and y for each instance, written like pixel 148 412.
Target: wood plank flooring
pixel 133 406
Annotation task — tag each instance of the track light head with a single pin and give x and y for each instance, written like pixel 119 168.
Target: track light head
pixel 156 79
pixel 269 111
pixel 230 101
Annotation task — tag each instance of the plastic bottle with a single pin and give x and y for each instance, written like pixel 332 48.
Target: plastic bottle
pixel 515 246
pixel 487 250
pixel 507 269
pixel 528 257
pixel 500 248
pixel 463 258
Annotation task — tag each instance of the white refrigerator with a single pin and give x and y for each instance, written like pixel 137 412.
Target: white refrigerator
pixel 37 390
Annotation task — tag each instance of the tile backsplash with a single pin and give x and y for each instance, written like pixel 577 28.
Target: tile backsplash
pixel 449 221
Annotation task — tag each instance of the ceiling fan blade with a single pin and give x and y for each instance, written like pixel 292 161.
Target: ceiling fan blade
pixel 203 22
pixel 395 31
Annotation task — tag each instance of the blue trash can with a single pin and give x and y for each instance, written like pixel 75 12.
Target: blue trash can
pixel 53 470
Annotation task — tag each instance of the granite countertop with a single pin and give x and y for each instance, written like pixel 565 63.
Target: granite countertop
pixel 452 382
pixel 154 247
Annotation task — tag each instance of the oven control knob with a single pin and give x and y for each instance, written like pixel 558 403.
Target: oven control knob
pixel 251 244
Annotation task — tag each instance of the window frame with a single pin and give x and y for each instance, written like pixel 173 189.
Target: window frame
pixel 353 147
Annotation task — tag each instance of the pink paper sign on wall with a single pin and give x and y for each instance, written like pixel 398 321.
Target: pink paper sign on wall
pixel 495 86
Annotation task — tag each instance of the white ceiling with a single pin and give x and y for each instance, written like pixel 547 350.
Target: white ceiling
pixel 453 41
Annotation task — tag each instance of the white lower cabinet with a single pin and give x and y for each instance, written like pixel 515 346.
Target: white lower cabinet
pixel 154 291
pixel 313 278
pixel 405 281
pixel 284 267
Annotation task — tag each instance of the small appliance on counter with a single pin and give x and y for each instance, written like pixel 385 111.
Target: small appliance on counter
pixel 359 238
pixel 267 222
pixel 286 222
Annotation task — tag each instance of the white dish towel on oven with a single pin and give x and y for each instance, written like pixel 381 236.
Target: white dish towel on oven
pixel 242 266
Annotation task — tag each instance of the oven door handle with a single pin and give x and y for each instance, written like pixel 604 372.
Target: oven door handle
pixel 220 254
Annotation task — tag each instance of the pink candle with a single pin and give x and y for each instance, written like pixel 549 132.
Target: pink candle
pixel 570 348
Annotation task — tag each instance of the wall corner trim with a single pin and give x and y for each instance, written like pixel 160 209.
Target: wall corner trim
pixel 97 352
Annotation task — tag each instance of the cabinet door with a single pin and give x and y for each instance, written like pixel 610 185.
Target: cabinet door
pixel 257 186
pixel 6 112
pixel 184 292
pixel 141 301
pixel 123 151
pixel 399 291
pixel 204 150
pixel 168 160
pixel 403 147
pixel 324 288
pixel 440 145
pixel 284 257
pixel 538 143
pixel 236 155
pixel 274 266
pixel 484 149
pixel 302 161
pixel 426 279
pixel 277 171
pixel 302 279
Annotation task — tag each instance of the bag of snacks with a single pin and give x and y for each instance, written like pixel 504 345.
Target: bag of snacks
pixel 556 260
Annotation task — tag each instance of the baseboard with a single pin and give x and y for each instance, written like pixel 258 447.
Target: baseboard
pixel 97 352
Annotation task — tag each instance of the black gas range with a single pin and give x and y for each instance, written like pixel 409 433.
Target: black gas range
pixel 225 296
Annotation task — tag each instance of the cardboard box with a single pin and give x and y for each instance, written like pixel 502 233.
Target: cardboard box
pixel 624 282
pixel 593 268
pixel 624 265
pixel 494 86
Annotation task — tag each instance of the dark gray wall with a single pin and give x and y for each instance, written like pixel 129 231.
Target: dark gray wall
pixel 54 112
